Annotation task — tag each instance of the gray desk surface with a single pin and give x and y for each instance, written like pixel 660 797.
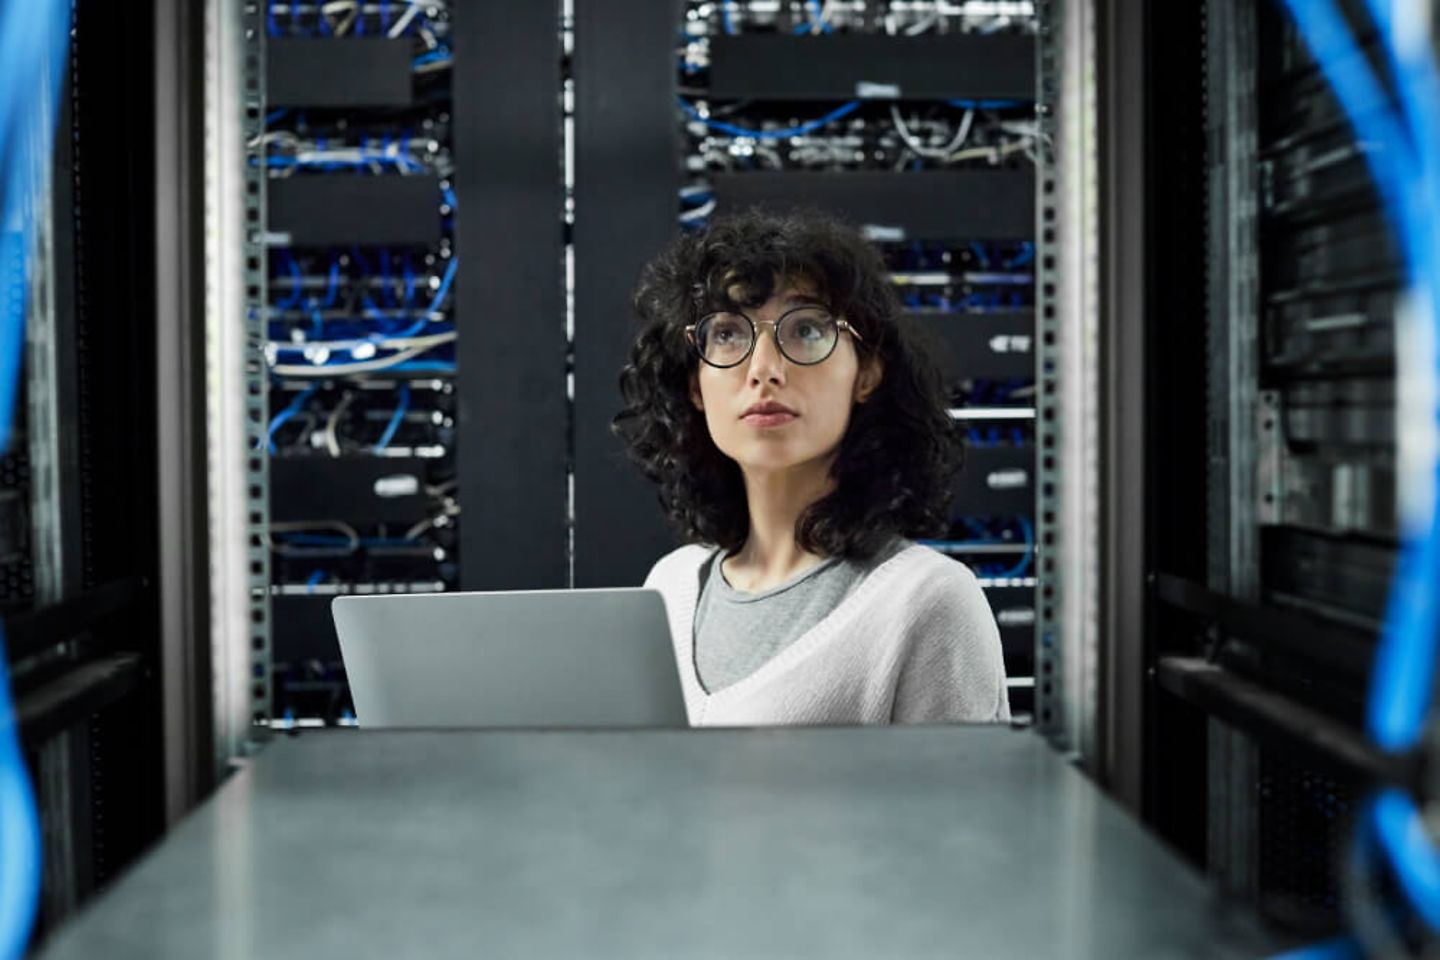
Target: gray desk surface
pixel 893 842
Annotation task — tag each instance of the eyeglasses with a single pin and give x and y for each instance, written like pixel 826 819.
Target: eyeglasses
pixel 804 335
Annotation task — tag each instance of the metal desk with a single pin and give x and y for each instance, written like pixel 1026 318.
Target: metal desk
pixel 891 842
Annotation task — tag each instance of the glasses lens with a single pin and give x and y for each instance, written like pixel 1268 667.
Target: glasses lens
pixel 807 336
pixel 724 338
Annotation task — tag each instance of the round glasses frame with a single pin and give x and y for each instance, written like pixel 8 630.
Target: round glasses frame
pixel 840 325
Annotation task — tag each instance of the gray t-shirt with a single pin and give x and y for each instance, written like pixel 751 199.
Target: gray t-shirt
pixel 736 633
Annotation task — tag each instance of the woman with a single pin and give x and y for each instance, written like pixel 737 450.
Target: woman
pixel 799 437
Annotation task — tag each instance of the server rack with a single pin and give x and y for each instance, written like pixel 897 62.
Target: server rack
pixel 914 124
pixel 403 388
pixel 1266 604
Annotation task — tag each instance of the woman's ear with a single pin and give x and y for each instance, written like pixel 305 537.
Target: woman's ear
pixel 872 371
pixel 695 396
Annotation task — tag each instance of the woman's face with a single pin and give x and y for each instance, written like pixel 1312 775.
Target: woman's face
pixel 816 398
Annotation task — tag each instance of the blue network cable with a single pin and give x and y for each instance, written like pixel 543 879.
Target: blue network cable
pixel 800 131
pixel 426 366
pixel 988 104
pixel 409 272
pixel 726 18
pixel 374 313
pixel 446 282
pixel 296 293
pixel 400 160
pixel 34 43
pixel 815 13
pixel 440 54
pixel 279 419
pixel 436 303
pixel 1027 530
pixel 332 284
pixel 326 540
pixel 19 832
pixel 401 407
pixel 1025 257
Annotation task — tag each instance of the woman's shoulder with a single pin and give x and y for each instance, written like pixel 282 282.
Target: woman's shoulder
pixel 917 572
pixel 920 562
pixel 682 561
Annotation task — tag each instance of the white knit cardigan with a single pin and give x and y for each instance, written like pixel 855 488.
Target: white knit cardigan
pixel 915 642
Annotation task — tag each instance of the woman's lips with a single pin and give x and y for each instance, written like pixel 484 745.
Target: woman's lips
pixel 768 419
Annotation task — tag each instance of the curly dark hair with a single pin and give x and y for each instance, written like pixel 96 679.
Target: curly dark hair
pixel 898 456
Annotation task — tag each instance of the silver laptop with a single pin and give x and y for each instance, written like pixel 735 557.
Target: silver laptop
pixel 534 658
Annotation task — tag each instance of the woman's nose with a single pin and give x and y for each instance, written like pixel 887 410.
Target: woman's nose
pixel 766 363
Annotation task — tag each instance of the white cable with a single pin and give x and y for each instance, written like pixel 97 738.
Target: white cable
pixel 347 155
pixel 392 343
pixel 826 8
pixel 332 440
pixel 700 212
pixel 341 6
pixel 411 12
pixel 272 136
pixel 934 153
pixel 451 509
pixel 353 155
pixel 769 153
pixel 920 26
pixel 910 139
pixel 965 126
pixel 419 528
pixel 993 153
pixel 348 369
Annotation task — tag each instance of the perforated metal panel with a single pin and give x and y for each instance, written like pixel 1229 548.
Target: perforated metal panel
pixel 1305 819
pixel 257 468
pixel 17 574
pixel 1048 695
pixel 236 402
pixel 1068 377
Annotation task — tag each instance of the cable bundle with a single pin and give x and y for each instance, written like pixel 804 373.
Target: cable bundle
pixel 34 38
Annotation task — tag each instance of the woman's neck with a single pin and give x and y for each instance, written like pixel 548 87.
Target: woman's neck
pixel 770 554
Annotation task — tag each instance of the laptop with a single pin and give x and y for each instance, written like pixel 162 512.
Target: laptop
pixel 529 658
